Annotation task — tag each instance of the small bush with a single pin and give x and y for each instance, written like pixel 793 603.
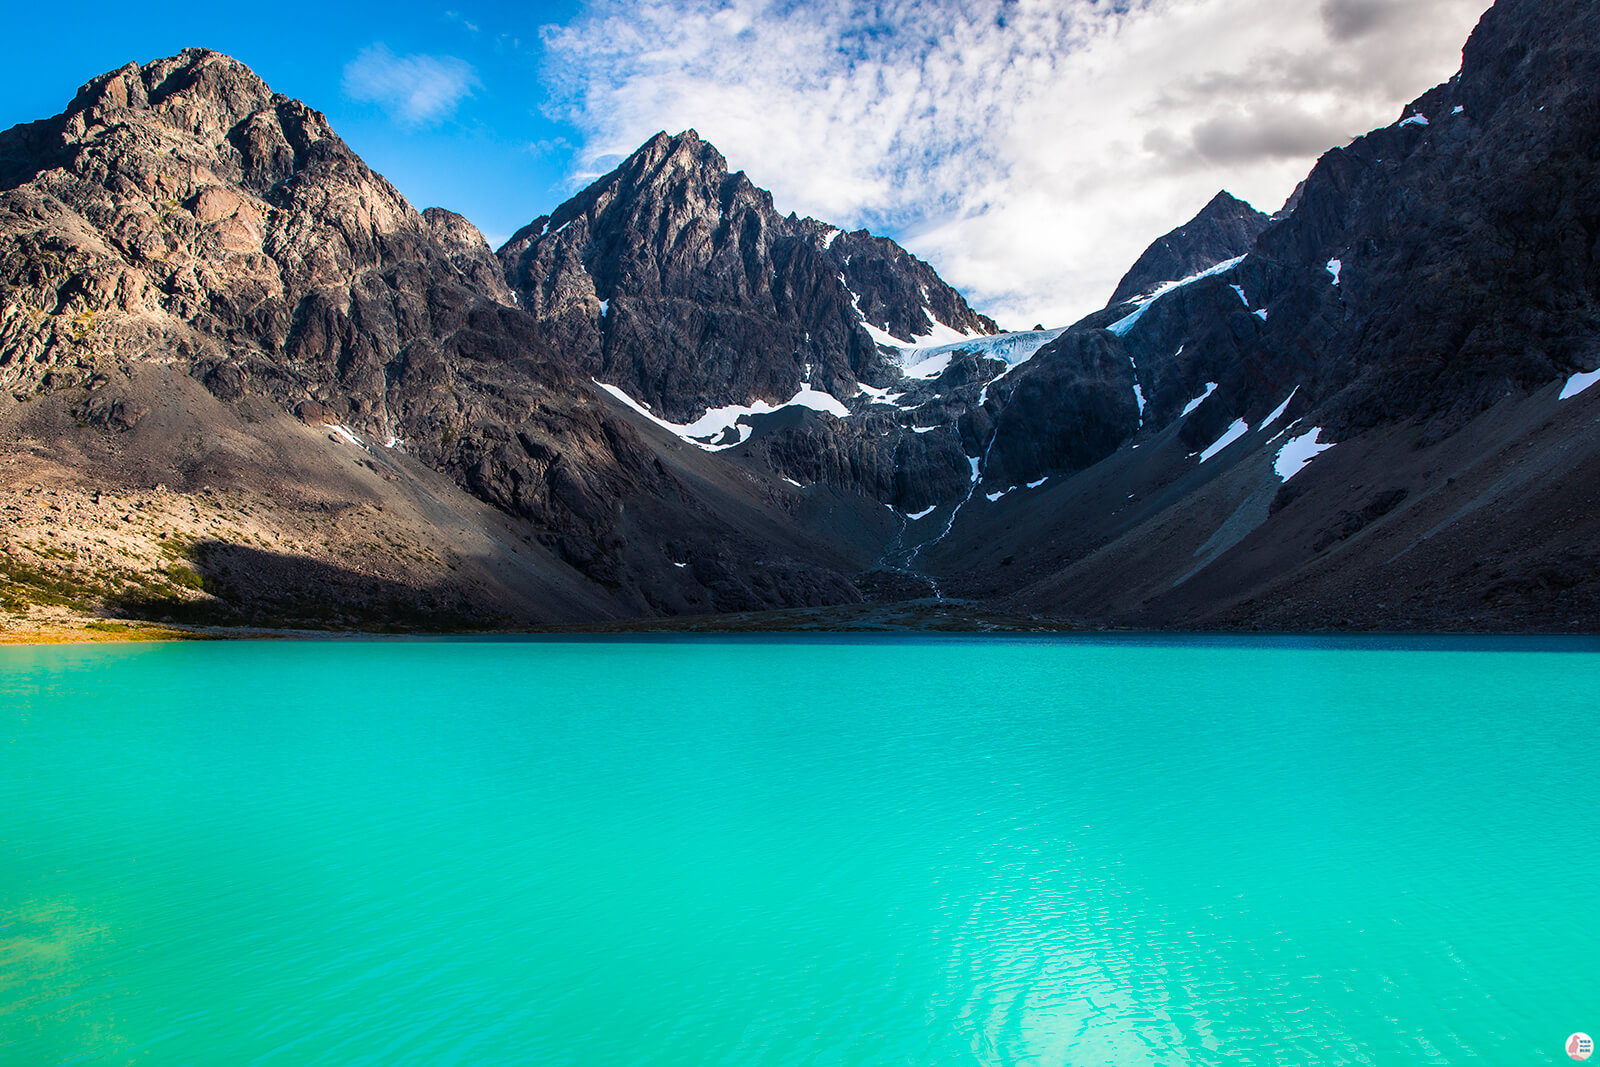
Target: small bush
pixel 185 577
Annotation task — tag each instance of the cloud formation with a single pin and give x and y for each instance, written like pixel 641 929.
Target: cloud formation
pixel 415 90
pixel 1029 148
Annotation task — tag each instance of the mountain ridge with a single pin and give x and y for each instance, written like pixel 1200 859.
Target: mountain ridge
pixel 681 402
pixel 710 297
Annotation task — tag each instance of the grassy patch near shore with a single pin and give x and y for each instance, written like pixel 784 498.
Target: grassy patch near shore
pixel 25 585
pixel 59 632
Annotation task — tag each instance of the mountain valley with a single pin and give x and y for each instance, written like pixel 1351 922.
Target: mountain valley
pixel 246 383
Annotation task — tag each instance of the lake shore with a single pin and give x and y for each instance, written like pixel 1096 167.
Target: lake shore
pixel 27 631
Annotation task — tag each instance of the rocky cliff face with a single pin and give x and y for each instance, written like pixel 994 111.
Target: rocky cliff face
pixel 679 283
pixel 1420 304
pixel 1426 270
pixel 1224 229
pixel 182 214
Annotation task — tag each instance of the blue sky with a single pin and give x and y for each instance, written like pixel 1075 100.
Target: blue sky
pixel 1029 149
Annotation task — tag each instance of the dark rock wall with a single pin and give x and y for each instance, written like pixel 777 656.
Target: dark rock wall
pixel 1225 228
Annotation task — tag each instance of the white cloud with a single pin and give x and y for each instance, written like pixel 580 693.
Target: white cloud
pixel 415 90
pixel 1030 149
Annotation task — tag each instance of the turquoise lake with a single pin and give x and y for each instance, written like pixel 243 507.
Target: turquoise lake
pixel 799 851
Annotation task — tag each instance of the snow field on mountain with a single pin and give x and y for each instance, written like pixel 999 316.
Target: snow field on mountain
pixel 718 421
pixel 1298 451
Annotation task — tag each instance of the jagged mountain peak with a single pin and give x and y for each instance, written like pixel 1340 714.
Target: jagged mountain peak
pixel 193 72
pixel 196 117
pixel 1222 205
pixel 683 149
pixel 1225 228
pixel 678 282
pixel 184 232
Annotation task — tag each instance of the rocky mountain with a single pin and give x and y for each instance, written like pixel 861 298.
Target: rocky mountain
pixel 1224 229
pixel 1427 309
pixel 665 398
pixel 179 222
pixel 680 283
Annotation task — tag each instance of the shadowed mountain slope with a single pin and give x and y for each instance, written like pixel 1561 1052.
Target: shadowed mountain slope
pixel 1367 412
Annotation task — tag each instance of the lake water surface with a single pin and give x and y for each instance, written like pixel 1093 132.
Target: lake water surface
pixel 799 851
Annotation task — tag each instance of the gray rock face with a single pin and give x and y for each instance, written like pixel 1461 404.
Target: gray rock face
pixel 892 289
pixel 679 283
pixel 181 212
pixel 1075 408
pixel 1465 233
pixel 469 253
pixel 1224 229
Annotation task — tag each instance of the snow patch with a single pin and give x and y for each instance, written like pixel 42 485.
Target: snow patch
pixel 992 497
pixel 605 308
pixel 923 429
pixel 1128 322
pixel 1414 120
pixel 1211 387
pixel 1279 410
pixel 817 400
pixel 1229 436
pixel 1013 349
pixel 879 337
pixel 1260 314
pixel 1458 109
pixel 1578 383
pixel 716 422
pixel 939 336
pixel 1281 434
pixel 1220 268
pixel 1297 452
pixel 677 564
pixel 1334 267
pixel 1123 325
pixel 344 432
pixel 931 367
pixel 1245 300
pixel 1037 484
pixel 792 482
pixel 924 513
pixel 880 396
pixel 833 235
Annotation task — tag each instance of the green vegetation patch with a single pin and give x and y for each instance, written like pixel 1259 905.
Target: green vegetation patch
pixel 23 586
pixel 185 577
pixel 177 550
